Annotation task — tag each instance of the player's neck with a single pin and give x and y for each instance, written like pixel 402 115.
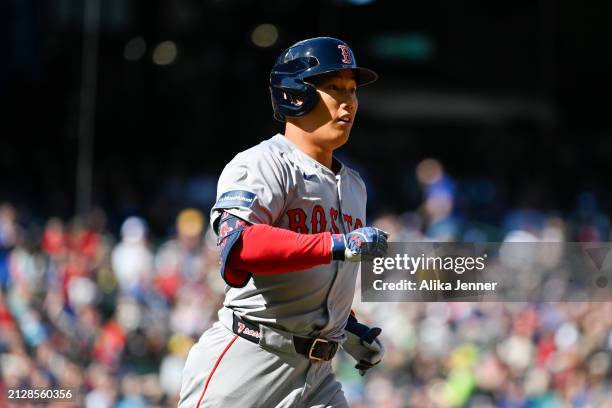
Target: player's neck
pixel 304 142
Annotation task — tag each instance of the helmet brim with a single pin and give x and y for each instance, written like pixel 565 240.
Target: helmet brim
pixel 365 76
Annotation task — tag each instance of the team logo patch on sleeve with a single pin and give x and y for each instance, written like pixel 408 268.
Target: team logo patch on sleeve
pixel 235 198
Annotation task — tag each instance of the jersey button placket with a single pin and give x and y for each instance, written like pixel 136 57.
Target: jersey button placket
pixel 342 228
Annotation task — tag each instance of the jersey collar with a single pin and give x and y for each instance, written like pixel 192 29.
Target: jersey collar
pixel 336 164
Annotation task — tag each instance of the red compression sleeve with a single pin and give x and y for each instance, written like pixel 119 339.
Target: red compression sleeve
pixel 263 249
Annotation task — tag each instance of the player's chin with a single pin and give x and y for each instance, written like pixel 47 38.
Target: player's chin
pixel 339 135
pixel 341 132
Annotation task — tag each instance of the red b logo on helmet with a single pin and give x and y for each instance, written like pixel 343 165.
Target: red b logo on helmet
pixel 346 54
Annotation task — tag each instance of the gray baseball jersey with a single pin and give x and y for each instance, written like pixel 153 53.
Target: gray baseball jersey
pixel 276 183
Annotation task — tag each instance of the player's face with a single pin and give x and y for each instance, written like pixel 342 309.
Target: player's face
pixel 334 115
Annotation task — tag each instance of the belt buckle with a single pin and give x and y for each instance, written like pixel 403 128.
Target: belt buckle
pixel 314 343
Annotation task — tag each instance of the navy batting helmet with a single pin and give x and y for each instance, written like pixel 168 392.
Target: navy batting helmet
pixel 306 59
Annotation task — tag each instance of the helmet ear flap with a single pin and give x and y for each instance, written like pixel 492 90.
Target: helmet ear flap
pixel 292 96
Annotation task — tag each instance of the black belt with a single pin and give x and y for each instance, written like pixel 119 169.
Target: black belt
pixel 314 348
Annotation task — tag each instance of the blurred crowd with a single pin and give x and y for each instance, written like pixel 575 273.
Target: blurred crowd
pixel 113 316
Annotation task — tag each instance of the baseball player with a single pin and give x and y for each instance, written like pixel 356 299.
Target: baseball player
pixel 290 221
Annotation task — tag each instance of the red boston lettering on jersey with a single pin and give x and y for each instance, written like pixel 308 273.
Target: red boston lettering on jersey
pixel 346 54
pixel 358 223
pixel 334 216
pixel 348 220
pixel 297 220
pixel 318 220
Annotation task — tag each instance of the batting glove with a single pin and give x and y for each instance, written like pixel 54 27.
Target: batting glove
pixel 362 244
pixel 363 345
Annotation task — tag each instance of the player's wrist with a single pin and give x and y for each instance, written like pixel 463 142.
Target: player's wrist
pixel 338 248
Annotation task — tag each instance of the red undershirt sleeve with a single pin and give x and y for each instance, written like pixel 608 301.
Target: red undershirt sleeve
pixel 263 249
